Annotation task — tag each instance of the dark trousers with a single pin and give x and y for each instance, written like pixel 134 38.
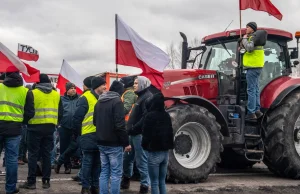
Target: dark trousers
pixel 90 169
pixel 23 146
pixel 65 138
pixel 39 144
pixel 70 151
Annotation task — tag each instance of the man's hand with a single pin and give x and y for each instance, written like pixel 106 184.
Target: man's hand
pixel 128 148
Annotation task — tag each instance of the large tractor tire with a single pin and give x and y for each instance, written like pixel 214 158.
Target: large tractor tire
pixel 282 138
pixel 234 159
pixel 197 142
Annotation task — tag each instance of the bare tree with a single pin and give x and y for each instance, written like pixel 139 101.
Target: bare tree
pixel 175 52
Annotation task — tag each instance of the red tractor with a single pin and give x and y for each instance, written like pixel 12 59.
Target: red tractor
pixel 208 104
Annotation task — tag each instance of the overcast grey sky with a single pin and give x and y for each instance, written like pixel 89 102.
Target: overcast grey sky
pixel 83 32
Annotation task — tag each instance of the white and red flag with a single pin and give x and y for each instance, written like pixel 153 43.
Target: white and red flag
pixel 68 74
pixel 132 50
pixel 27 52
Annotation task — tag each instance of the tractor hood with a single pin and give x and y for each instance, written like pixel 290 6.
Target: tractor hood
pixel 182 82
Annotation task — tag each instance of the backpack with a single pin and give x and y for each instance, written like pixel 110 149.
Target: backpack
pixel 260 38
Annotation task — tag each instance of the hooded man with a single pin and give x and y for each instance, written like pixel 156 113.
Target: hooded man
pixel 134 127
pixel 112 137
pixel 83 125
pixel 16 109
pixel 253 61
pixel 69 101
pixel 128 97
pixel 40 130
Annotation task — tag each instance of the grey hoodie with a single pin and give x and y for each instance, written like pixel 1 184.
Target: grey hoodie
pixel 44 87
pixel 143 83
pixel 107 96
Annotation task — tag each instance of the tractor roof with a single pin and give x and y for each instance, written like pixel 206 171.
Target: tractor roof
pixel 233 34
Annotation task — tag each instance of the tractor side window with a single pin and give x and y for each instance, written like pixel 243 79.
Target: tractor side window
pixel 274 63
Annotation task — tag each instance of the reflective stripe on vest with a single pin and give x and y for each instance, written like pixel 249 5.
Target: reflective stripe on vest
pixel 87 123
pixel 46 107
pixel 122 98
pixel 254 59
pixel 12 102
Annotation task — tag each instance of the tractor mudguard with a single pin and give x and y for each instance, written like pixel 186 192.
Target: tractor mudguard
pixel 191 99
pixel 277 90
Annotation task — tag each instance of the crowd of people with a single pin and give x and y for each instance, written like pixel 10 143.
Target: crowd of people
pixel 108 130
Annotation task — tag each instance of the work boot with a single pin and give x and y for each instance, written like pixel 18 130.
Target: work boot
pixel 20 162
pixel 259 114
pixel 27 185
pixel 25 160
pixel 56 167
pixel 94 190
pixel 251 117
pixel 68 170
pixel 16 191
pixel 75 178
pixel 85 191
pixel 144 189
pixel 125 184
pixel 46 184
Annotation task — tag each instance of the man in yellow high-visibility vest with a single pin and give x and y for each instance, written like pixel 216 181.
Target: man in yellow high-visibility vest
pixel 48 111
pixel 16 108
pixel 253 61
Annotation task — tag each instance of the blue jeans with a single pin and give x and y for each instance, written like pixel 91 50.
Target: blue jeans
pixel 90 169
pixel 54 151
pixel 252 77
pixel 11 146
pixel 157 167
pixel 140 155
pixel 111 167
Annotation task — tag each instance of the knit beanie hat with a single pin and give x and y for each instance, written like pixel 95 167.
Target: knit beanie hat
pixel 44 78
pixel 97 81
pixel 88 81
pixel 118 87
pixel 127 81
pixel 252 25
pixel 69 85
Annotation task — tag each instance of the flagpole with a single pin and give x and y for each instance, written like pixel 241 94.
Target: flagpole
pixel 240 18
pixel 116 27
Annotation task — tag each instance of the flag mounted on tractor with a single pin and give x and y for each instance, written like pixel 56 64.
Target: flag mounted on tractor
pixel 261 5
pixel 132 50
pixel 27 52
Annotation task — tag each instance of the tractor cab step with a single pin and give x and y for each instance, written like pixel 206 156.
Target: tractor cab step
pixel 252 136
pixel 254 151
pixel 254 155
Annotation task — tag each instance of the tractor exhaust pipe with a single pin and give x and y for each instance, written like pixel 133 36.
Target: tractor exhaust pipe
pixel 184 56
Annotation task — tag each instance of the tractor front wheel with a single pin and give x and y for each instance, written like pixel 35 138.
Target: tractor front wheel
pixel 282 138
pixel 198 143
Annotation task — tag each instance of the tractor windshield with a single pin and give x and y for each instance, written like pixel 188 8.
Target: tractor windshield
pixel 223 58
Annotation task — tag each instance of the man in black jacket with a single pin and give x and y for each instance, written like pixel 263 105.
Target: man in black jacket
pixel 134 128
pixel 69 101
pixel 112 137
pixel 16 108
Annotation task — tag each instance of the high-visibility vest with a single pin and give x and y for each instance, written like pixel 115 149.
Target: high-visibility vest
pixel 46 107
pixel 87 123
pixel 122 98
pixel 12 102
pixel 256 58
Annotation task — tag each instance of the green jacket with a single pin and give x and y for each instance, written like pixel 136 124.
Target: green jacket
pixel 129 98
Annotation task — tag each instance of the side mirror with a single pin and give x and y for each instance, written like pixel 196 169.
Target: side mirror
pixel 295 63
pixel 268 52
pixel 294 54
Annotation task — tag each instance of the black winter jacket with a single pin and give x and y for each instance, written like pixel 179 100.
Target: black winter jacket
pixel 135 122
pixel 69 107
pixel 109 119
pixel 157 127
pixel 10 128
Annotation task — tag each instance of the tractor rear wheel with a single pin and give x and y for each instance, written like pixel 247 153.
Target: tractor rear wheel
pixel 197 141
pixel 282 138
pixel 234 159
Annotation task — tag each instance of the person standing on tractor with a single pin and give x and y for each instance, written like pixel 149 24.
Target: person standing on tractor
pixel 253 61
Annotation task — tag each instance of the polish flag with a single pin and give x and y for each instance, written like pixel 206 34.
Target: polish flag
pixel 34 74
pixel 27 53
pixel 68 74
pixel 9 62
pixel 132 50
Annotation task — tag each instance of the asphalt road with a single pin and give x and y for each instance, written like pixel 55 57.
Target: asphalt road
pixel 257 180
